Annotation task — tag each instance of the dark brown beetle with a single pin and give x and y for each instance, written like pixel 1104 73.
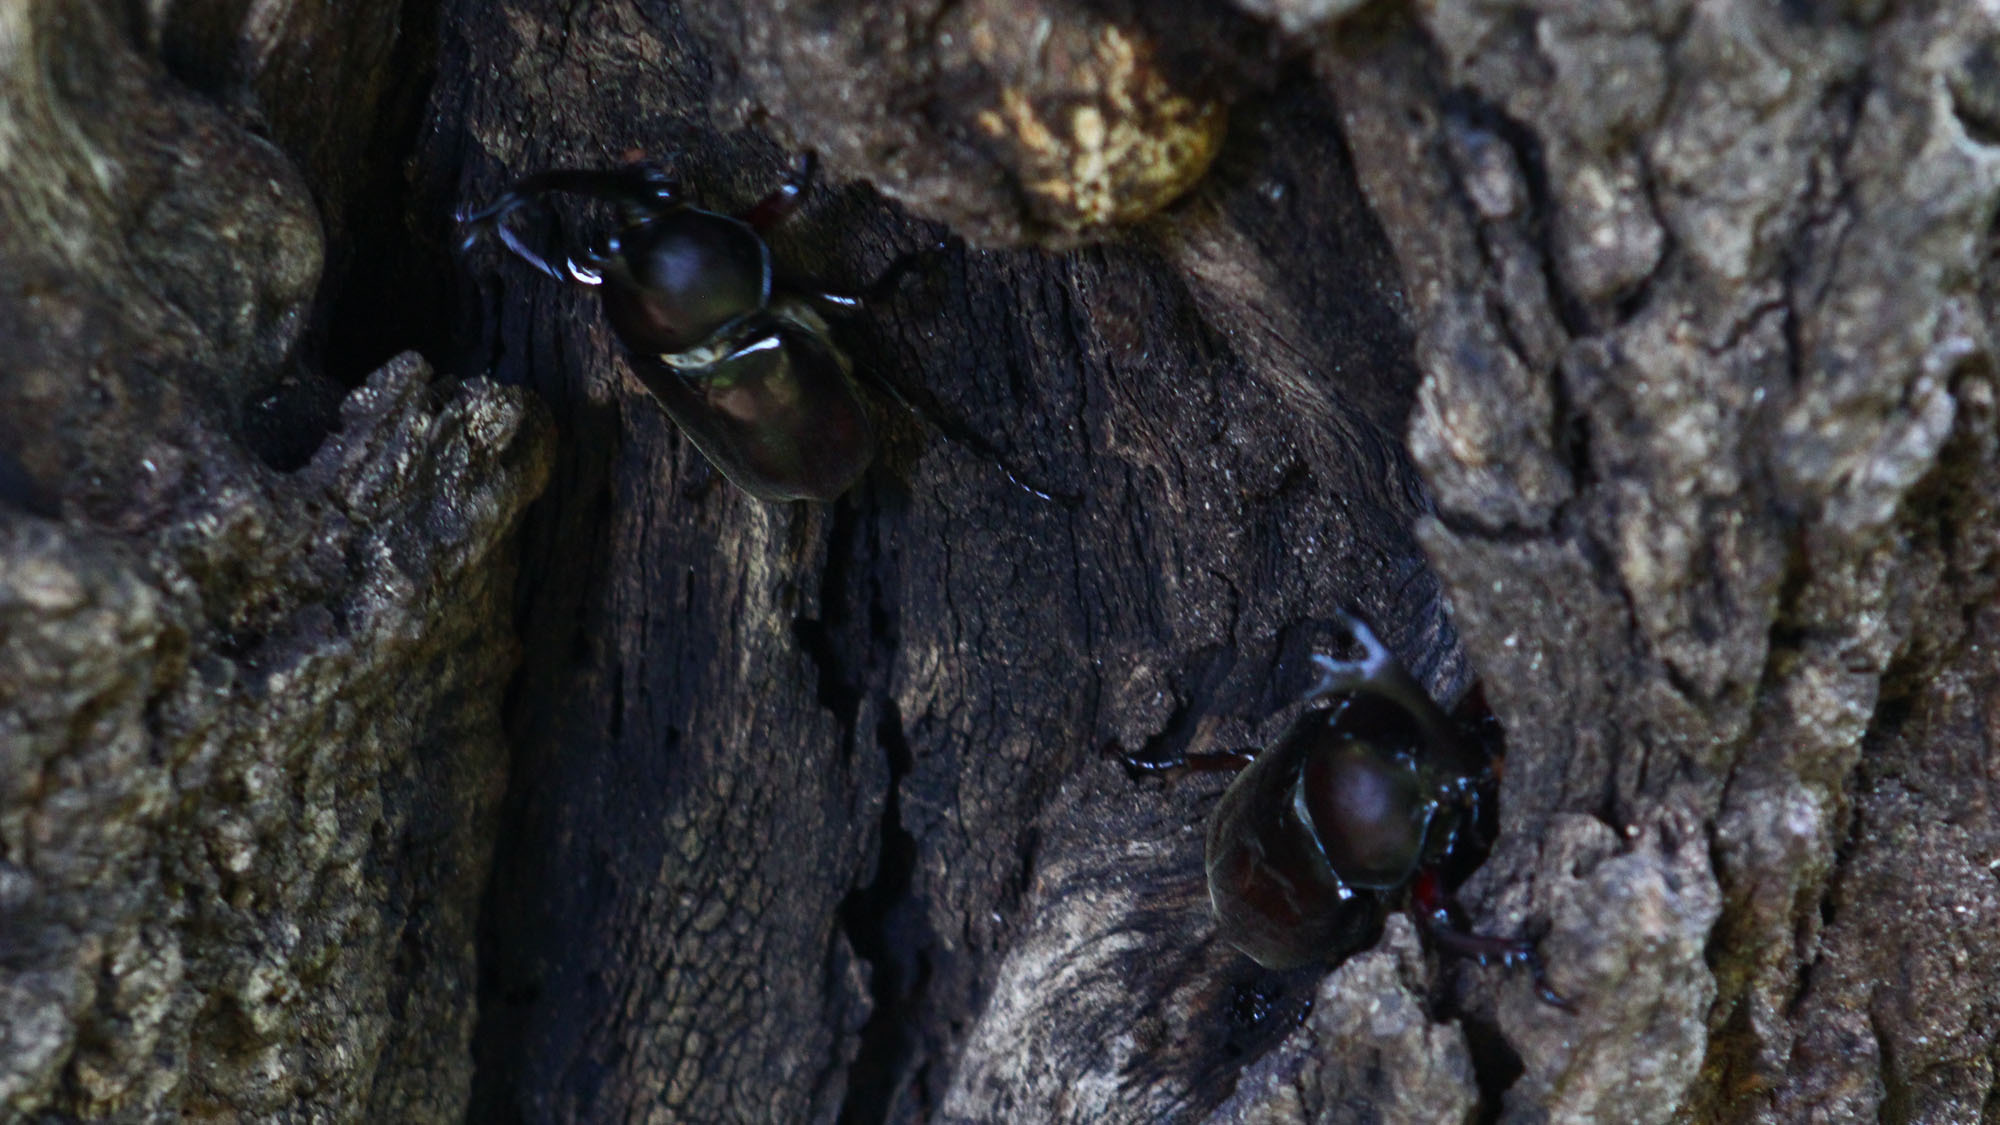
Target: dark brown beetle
pixel 1319 836
pixel 745 367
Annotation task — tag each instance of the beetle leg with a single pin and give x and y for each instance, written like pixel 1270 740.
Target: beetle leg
pixel 1427 896
pixel 520 249
pixel 586 269
pixel 1201 761
pixel 784 199
pixel 639 190
pixel 1508 951
pixel 885 283
pixel 643 188
pixel 957 433
pixel 933 416
pixel 838 303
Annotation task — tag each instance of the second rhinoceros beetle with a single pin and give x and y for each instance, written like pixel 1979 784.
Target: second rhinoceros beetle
pixel 744 366
pixel 1320 836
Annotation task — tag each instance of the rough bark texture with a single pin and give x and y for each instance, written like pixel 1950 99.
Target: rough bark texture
pixel 1634 359
pixel 250 738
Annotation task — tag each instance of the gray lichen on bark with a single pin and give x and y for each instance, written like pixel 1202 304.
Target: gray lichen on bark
pixel 242 870
pixel 1740 249
pixel 249 732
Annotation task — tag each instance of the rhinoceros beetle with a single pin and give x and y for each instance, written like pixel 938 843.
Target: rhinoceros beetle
pixel 1320 836
pixel 745 366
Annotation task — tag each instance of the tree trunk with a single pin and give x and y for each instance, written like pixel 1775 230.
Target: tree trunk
pixel 1631 360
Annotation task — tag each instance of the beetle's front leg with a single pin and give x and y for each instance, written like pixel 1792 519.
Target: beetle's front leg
pixel 1434 914
pixel 646 189
pixel 495 224
pixel 784 199
pixel 838 303
pixel 585 269
pixel 641 191
pixel 1200 761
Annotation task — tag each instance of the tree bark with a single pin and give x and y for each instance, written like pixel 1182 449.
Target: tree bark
pixel 1631 360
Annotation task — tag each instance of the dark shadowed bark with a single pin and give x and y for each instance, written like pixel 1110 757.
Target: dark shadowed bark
pixel 1632 360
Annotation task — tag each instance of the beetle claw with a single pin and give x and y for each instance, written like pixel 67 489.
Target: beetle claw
pixel 1547 993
